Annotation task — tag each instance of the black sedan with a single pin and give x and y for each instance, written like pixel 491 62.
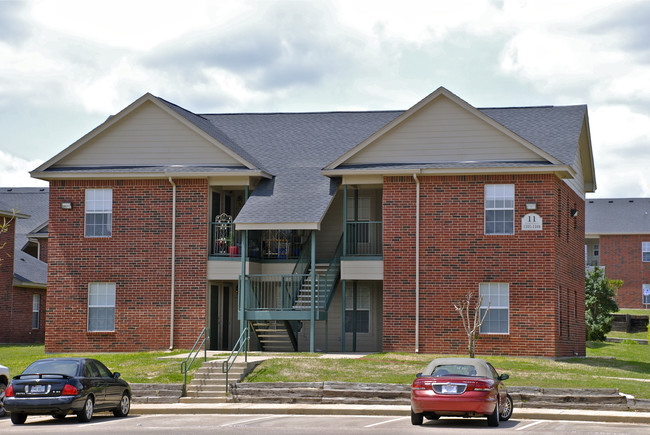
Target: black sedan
pixel 59 386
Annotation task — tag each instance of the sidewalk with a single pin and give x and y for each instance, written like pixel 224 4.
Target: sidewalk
pixel 388 410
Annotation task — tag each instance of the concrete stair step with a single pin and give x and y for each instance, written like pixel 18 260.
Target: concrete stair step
pixel 203 399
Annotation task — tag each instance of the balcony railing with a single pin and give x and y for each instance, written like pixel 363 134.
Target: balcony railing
pixel 225 241
pixel 364 238
pixel 273 292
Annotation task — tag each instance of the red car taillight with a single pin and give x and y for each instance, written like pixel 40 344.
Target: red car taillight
pixel 69 390
pixel 482 386
pixel 9 392
pixel 420 384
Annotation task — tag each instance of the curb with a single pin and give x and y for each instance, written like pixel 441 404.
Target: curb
pixel 387 410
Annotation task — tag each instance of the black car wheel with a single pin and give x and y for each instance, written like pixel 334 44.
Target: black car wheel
pixel 124 408
pixel 3 387
pixel 18 418
pixel 493 419
pixel 506 412
pixel 86 412
pixel 416 419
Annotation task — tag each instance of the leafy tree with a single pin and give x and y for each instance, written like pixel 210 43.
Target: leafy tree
pixel 600 299
pixel 470 314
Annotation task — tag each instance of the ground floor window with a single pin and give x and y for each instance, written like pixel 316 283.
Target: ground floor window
pixel 646 293
pixel 363 309
pixel 496 296
pixel 101 307
pixel 36 311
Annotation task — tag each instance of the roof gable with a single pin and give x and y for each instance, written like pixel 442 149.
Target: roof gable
pixel 148 132
pixel 443 128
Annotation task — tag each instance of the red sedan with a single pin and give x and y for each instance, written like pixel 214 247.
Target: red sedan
pixel 460 387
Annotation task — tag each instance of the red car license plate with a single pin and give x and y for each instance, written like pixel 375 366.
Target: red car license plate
pixel 449 389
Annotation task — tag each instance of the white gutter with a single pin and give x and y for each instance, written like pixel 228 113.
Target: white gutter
pixel 417 263
pixel 173 287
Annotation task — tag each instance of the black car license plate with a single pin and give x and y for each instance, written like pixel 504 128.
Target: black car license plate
pixel 38 389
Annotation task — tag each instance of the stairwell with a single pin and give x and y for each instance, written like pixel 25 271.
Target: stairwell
pixel 303 300
pixel 209 383
pixel 273 335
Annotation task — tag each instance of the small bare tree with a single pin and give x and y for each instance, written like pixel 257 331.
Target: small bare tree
pixel 471 317
pixel 5 223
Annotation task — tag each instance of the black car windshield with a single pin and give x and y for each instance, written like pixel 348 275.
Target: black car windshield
pixel 60 367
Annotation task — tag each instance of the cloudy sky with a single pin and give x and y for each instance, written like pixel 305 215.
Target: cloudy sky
pixel 66 65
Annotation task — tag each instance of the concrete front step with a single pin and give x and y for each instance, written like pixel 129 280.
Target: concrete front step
pixel 204 399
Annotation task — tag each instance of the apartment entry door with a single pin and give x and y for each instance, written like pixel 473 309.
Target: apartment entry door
pixel 221 298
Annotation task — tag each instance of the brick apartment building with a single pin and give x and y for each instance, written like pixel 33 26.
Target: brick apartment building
pixel 617 233
pixel 23 264
pixel 321 231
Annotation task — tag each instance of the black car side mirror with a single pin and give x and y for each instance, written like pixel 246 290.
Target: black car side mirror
pixel 503 377
pixel 116 375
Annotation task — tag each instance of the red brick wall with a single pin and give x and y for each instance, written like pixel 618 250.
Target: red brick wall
pixel 42 249
pixel 455 256
pixel 6 277
pixel 621 257
pixel 137 258
pixel 16 311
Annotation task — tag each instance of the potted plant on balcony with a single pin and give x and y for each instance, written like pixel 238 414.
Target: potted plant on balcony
pixel 233 249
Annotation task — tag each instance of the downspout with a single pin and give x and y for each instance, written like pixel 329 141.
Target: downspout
pixel 171 327
pixel 417 263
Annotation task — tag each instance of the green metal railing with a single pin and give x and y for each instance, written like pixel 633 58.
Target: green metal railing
pixel 273 292
pixel 185 367
pixel 364 238
pixel 242 343
pixel 333 273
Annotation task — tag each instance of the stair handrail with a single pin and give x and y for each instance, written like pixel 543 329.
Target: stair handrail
pixel 185 367
pixel 332 273
pixel 242 343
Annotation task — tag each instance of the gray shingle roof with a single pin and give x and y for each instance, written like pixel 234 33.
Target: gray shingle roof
pixel 617 216
pixel 554 129
pixel 34 202
pixel 294 148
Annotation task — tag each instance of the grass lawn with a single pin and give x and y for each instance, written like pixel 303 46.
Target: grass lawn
pixel 625 366
pixel 133 366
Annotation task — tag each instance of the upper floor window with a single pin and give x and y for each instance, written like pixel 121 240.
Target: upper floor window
pixel 645 251
pixel 496 301
pixel 499 209
pixel 99 212
pixel 596 250
pixel 101 306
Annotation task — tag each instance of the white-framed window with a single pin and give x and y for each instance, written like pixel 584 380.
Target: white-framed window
pixel 99 212
pixel 645 251
pixel 36 311
pixel 363 310
pixel 499 209
pixel 646 293
pixel 101 307
pixel 596 250
pixel 497 296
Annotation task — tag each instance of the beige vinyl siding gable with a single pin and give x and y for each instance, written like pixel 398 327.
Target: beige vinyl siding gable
pixel 147 136
pixel 443 131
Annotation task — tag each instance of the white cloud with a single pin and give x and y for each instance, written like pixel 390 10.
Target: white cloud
pixel 14 171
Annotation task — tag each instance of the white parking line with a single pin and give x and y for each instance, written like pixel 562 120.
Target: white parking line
pixel 387 421
pixel 252 420
pixel 530 425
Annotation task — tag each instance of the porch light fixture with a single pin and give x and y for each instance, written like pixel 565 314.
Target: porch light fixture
pixel 531 205
pixel 66 205
pixel 574 213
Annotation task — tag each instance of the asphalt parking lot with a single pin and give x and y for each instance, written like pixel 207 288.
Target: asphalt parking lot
pixel 287 424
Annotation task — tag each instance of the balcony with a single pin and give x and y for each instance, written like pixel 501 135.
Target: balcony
pixel 264 245
pixel 364 239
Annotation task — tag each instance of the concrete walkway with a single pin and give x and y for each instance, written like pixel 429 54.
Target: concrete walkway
pixel 388 410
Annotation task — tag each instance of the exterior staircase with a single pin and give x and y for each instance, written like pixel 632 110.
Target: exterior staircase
pixel 303 299
pixel 209 383
pixel 275 335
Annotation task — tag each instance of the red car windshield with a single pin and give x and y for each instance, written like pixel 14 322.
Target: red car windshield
pixel 454 370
